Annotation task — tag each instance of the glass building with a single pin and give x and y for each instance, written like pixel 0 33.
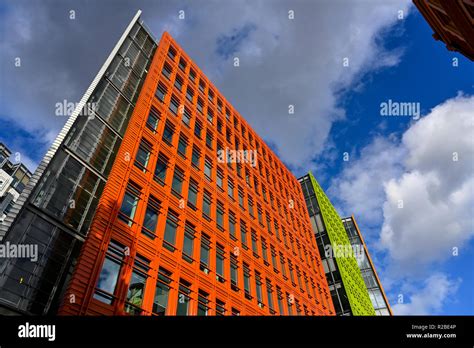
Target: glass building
pixel 348 292
pixel 372 282
pixel 57 205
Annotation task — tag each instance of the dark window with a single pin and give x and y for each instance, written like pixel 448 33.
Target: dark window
pixel 198 129
pixel 177 184
pixel 208 168
pixel 186 116
pixel 220 215
pixel 232 224
pixel 204 257
pixel 143 155
pixel 136 288
pixel 188 242
pixel 193 193
pixel 220 257
pixel 243 234
pixel 153 119
pixel 130 203
pixel 170 230
pixel 167 71
pixel 168 133
pixel 178 82
pixel 183 298
pixel 174 105
pixel 182 145
pixel 206 205
pixel 108 277
pixel 160 302
pixel 247 281
pixel 151 217
pixel 196 156
pixel 203 303
pixel 234 268
pixel 220 307
pixel 160 169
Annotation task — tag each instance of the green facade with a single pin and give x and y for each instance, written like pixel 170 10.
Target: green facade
pixel 354 285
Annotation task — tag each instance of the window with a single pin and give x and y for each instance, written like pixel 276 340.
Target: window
pixel 259 212
pixel 136 288
pixel 200 105
pixel 254 243
pixel 160 169
pixel 209 139
pixel 227 113
pixel 282 265
pixel 143 155
pixel 198 129
pixel 204 257
pixel 264 251
pixel 243 234
pixel 220 178
pixel 290 300
pixel 208 168
pixel 107 282
pixel 250 205
pixel 153 119
pixel 166 71
pixel 182 64
pixel 206 205
pixel 203 303
pixel 210 96
pixel 161 92
pixel 290 267
pixel 192 194
pixel 192 75
pixel 186 117
pixel 160 302
pixel 220 215
pixel 247 281
pixel 168 133
pixel 258 288
pixel 234 276
pixel 274 262
pixel 281 308
pixel 220 307
pixel 235 312
pixel 177 184
pixel 183 297
pixel 178 82
pixel 171 53
pixel 201 86
pixel 230 188
pixel 219 105
pixel 219 126
pixel 170 230
pixel 151 217
pixel 174 105
pixel 188 242
pixel 196 156
pixel 270 295
pixel 129 203
pixel 232 225
pixel 241 198
pixel 220 257
pixel 182 145
pixel 190 94
pixel 210 115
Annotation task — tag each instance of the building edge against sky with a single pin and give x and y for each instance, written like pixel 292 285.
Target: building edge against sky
pixel 367 268
pixel 348 290
pixel 56 207
pixel 270 266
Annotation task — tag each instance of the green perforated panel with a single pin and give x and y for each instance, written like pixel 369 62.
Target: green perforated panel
pixel 350 273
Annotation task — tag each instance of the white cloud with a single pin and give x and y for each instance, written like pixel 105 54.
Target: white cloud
pixel 282 61
pixel 436 292
pixel 435 189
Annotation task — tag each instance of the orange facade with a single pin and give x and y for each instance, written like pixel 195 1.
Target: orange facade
pixel 203 236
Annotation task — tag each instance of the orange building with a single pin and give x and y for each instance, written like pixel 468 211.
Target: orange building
pixel 198 216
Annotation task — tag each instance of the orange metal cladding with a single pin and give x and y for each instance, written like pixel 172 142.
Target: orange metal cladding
pixel 292 241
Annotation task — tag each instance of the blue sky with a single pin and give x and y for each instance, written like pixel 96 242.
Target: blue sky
pixel 337 109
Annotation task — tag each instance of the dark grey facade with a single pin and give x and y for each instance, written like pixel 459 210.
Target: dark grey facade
pixel 57 206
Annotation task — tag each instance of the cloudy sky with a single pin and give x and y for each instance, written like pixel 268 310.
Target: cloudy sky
pixel 409 182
